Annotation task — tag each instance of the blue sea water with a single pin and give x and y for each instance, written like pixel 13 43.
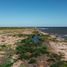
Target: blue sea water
pixel 58 31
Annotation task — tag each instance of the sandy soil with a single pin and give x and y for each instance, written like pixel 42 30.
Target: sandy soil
pixel 56 47
pixel 17 64
pixel 59 47
pixel 7 38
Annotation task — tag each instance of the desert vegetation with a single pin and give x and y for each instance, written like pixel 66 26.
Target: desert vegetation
pixel 28 50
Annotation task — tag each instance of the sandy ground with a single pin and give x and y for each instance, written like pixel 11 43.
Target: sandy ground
pixel 7 38
pixel 17 64
pixel 59 47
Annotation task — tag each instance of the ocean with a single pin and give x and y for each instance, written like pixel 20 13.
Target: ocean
pixel 58 31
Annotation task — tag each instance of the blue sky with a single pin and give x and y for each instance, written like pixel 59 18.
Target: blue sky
pixel 33 13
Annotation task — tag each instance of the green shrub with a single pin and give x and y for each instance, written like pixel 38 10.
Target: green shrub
pixel 59 64
pixel 28 49
pixel 32 61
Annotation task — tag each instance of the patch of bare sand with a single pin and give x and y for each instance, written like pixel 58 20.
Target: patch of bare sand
pixel 17 63
pixel 59 47
pixel 9 39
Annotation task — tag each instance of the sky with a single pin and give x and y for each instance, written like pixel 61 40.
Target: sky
pixel 22 13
